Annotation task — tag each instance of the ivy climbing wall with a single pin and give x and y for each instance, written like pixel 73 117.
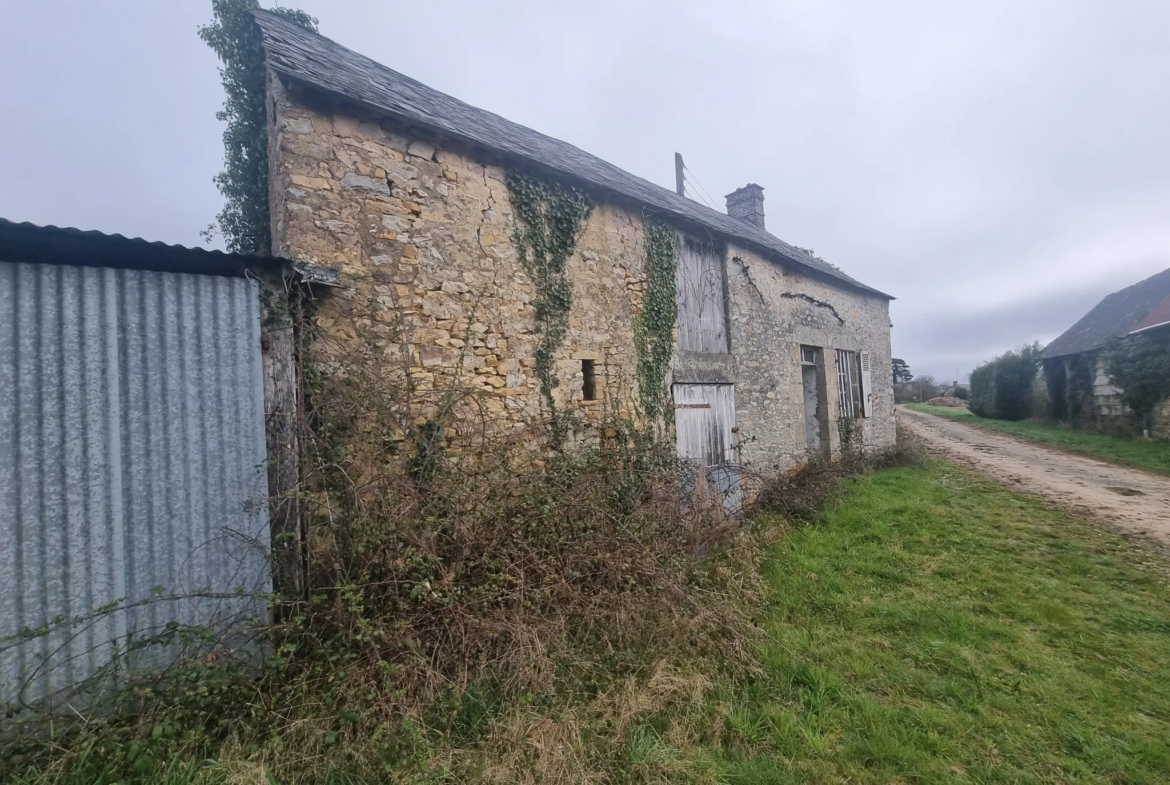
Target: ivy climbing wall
pixel 433 289
pixel 457 274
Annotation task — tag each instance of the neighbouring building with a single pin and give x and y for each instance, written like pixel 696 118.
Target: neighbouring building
pixel 1073 367
pixel 952 391
pixel 405 191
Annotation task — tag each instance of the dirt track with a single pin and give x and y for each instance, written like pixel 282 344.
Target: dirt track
pixel 1129 498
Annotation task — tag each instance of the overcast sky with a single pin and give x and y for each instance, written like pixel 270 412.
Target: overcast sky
pixel 998 166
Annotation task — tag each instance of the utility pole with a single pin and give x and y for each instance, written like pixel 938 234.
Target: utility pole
pixel 680 183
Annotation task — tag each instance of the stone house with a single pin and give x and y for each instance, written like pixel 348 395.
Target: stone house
pixel 405 191
pixel 1072 361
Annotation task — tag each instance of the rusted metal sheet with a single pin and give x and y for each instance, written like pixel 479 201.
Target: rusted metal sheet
pixel 704 424
pixel 702 307
pixel 132 465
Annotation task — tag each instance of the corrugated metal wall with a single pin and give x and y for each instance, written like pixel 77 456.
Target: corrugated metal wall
pixel 132 463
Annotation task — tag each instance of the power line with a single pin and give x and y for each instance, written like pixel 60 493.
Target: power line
pixel 700 191
pixel 710 202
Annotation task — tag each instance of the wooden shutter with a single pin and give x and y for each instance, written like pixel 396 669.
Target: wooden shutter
pixel 866 386
pixel 702 311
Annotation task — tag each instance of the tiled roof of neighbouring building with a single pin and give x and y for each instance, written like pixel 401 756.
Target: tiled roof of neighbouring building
pixel 316 61
pixel 1118 314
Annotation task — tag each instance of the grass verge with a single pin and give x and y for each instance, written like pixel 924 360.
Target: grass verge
pixel 936 627
pixel 1151 454
pixel 928 626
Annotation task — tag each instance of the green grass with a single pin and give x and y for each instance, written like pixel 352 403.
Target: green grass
pixel 937 628
pixel 1151 454
pixel 931 627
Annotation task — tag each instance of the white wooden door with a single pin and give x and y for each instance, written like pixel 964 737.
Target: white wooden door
pixel 704 420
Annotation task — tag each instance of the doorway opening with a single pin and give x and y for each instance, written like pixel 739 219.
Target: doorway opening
pixel 816 421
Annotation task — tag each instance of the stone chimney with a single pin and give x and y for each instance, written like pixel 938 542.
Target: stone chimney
pixel 747 204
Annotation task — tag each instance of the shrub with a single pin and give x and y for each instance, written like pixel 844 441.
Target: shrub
pixel 1139 365
pixel 1056 382
pixel 1002 388
pixel 479 605
pixel 463 587
pixel 1069 381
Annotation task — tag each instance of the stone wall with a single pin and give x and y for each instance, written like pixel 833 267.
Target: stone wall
pixel 432 298
pixel 773 312
pixel 431 293
pixel 1162 420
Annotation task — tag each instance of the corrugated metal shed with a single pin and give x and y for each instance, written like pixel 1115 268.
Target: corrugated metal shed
pixel 132 462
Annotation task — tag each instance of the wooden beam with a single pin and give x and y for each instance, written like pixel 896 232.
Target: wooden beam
pixel 282 403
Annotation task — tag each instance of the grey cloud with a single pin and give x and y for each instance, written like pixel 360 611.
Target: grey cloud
pixel 998 166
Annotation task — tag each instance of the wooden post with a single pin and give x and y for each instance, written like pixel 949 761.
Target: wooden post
pixel 680 182
pixel 282 415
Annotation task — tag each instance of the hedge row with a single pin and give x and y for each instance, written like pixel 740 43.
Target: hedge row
pixel 1002 388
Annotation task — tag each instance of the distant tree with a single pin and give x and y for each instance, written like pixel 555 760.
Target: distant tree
pixel 902 371
pixel 1139 366
pixel 962 394
pixel 926 386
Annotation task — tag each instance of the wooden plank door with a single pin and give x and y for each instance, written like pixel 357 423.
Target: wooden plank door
pixel 704 420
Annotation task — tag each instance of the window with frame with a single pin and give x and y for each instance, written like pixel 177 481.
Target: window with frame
pixel 849 384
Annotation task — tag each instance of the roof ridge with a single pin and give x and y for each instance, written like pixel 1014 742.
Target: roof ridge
pixel 314 59
pixel 1114 314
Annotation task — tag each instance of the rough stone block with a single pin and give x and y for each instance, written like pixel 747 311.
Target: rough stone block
pixel 422 150
pixel 305 181
pixel 395 223
pixel 360 182
pixel 297 125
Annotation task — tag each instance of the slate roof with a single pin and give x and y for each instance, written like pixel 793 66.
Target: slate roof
pixel 33 244
pixel 316 61
pixel 1118 314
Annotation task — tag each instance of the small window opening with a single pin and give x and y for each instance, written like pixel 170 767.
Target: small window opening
pixel 848 384
pixel 589 390
pixel 808 355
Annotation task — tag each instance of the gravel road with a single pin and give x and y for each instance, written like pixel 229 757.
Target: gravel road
pixel 1129 498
